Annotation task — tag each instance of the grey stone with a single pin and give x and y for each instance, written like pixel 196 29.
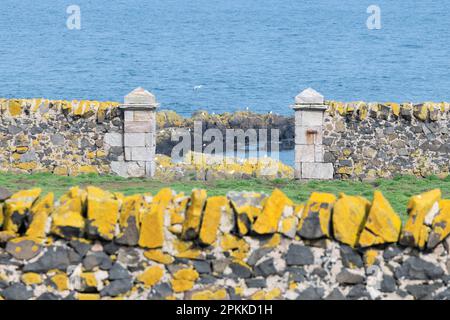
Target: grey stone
pixel 24 249
pixel 4 194
pixel 388 284
pixel 17 291
pixel 97 259
pixel 160 291
pixel 348 277
pixel 266 268
pixel 422 291
pixel 111 247
pixel 297 274
pixel 117 287
pixel 257 255
pixel 128 257
pixel 53 258
pixel 140 97
pixel 118 272
pixel 80 247
pixel 358 291
pixel 114 139
pixel 202 266
pixel 350 257
pixel 48 296
pixel 240 271
pixel 255 283
pixel 57 139
pixel 14 130
pixel 299 255
pixel 415 268
pixel 336 294
pixel 311 293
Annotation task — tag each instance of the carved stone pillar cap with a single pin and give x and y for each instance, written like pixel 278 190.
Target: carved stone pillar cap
pixel 309 99
pixel 139 99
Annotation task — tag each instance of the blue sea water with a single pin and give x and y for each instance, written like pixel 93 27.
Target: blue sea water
pixel 226 55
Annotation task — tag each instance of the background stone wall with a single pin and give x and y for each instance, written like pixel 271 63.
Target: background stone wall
pixel 370 140
pixel 362 140
pixel 64 137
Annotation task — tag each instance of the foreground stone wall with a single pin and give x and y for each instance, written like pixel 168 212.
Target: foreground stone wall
pixel 370 140
pixel 93 244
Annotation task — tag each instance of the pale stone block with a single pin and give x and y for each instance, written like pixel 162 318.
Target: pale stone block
pixel 142 115
pixel 311 118
pixel 304 153
pixel 128 154
pixel 150 168
pixel 319 171
pixel 128 169
pixel 142 153
pixel 318 153
pixel 150 140
pixel 138 127
pixel 113 139
pixel 135 139
pixel 303 137
pixel 128 115
pixel 298 118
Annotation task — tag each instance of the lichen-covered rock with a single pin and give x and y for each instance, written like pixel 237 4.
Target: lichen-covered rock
pixel 102 213
pixel 215 208
pixel 267 222
pixel 383 224
pixel 441 225
pixel 151 276
pixel 349 216
pixel 247 206
pixel 23 248
pixel 68 218
pixel 129 220
pixel 191 225
pixel 421 210
pixel 17 207
pixel 184 280
pixel 316 218
pixel 39 216
pixel 153 220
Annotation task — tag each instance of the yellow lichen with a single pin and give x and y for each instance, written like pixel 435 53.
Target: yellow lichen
pixel 267 221
pixel 151 276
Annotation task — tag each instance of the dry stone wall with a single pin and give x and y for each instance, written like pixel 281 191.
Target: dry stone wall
pixel 94 244
pixel 360 140
pixel 372 140
pixel 63 137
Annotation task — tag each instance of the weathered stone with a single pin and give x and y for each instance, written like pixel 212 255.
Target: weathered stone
pixel 315 221
pixel 255 283
pixel 215 208
pixel 152 221
pixel 349 216
pixel 67 219
pixel 267 221
pixel 240 270
pixel 415 268
pixel 441 225
pixel 4 194
pixel 129 220
pixel 388 284
pixel 311 293
pixel 17 291
pixel 53 258
pixel 118 272
pixel 191 225
pixel 266 268
pixel 299 255
pixel 117 287
pixel 348 277
pixel 383 224
pixel 23 248
pixel 102 213
pixel 420 209
pixel 97 259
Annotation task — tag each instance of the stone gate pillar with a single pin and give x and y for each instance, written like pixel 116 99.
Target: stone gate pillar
pixel 139 132
pixel 309 117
